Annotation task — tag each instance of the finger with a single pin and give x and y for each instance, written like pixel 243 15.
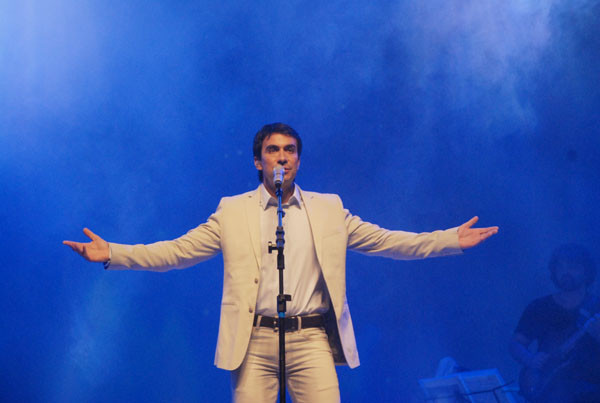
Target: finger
pixel 90 234
pixel 488 232
pixel 76 246
pixel 485 236
pixel 470 223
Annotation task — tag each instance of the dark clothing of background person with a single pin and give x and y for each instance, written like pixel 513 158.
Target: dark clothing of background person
pixel 551 325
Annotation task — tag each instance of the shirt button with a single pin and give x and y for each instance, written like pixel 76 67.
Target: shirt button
pixel 256 281
pixel 250 310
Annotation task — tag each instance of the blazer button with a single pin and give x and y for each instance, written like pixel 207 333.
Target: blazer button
pixel 250 310
pixel 256 281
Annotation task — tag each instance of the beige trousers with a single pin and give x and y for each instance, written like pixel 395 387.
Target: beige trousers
pixel 310 370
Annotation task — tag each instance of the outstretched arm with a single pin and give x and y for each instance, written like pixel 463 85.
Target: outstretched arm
pixel 197 245
pixel 469 237
pixel 95 251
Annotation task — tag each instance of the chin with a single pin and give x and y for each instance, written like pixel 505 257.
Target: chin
pixel 569 284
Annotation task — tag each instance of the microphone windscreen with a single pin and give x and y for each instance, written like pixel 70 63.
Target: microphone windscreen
pixel 278 174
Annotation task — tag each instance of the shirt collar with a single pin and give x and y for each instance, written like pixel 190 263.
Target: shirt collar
pixel 266 199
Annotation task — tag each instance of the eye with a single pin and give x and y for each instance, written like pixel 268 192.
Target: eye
pixel 290 149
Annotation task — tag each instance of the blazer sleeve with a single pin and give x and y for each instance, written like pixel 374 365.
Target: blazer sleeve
pixel 371 239
pixel 197 245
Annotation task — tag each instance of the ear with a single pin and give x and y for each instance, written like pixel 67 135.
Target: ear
pixel 258 164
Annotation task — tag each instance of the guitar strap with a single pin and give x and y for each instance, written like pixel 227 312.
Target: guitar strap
pixel 589 307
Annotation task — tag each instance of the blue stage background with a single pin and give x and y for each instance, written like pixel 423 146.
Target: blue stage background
pixel 134 118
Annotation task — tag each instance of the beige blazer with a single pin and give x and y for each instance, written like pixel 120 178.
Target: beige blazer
pixel 234 229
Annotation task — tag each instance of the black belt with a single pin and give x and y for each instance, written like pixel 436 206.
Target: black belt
pixel 292 323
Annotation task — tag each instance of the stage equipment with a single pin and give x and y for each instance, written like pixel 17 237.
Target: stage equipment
pixel 278 178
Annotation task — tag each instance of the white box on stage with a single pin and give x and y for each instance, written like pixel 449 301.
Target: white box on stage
pixel 484 386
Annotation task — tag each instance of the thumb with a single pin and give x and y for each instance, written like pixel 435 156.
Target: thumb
pixel 470 223
pixel 91 235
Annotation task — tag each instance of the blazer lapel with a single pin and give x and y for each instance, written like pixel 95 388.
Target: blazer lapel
pixel 253 218
pixel 315 221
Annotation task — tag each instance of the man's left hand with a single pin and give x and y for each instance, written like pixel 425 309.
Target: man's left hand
pixel 592 326
pixel 469 237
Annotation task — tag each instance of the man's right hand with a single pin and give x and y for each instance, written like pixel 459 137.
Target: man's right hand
pixel 538 360
pixel 95 251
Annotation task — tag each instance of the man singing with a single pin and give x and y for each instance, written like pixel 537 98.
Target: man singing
pixel 318 231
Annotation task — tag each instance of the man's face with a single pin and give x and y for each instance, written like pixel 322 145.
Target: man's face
pixel 569 276
pixel 278 149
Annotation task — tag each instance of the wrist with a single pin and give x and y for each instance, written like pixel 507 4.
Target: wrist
pixel 106 263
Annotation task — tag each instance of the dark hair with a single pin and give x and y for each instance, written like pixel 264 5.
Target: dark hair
pixel 573 254
pixel 266 132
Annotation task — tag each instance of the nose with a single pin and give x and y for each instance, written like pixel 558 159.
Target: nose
pixel 281 158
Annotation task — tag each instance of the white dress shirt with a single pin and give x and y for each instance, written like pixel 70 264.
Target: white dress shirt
pixel 302 277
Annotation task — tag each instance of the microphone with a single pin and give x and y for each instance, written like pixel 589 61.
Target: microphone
pixel 278 174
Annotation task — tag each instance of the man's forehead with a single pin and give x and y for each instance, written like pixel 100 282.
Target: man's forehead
pixel 279 138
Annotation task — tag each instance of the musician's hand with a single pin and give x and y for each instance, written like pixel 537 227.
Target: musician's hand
pixel 538 360
pixel 95 251
pixel 592 326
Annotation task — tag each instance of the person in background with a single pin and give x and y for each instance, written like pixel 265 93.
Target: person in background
pixel 565 327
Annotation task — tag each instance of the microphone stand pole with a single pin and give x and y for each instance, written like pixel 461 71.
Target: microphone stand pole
pixel 281 298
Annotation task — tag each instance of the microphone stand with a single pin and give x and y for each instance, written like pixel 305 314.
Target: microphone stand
pixel 281 298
